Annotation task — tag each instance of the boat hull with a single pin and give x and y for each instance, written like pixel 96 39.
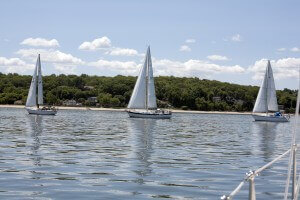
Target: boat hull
pixel 270 118
pixel 41 112
pixel 150 115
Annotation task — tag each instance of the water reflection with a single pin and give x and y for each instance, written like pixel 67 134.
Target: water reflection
pixel 142 131
pixel 35 130
pixel 105 155
pixel 265 134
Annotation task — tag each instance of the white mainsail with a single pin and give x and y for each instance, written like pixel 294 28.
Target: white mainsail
pixel 143 95
pixel 266 99
pixel 31 98
pixel 40 82
pixel 138 96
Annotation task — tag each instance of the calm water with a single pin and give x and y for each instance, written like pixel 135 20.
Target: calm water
pixel 106 155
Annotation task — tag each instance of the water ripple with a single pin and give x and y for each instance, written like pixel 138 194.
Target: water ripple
pixel 106 155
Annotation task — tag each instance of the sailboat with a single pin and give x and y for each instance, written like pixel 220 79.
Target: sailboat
pixel 266 107
pixel 35 94
pixel 142 103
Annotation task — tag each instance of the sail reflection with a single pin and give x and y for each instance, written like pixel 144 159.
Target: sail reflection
pixel 266 134
pixel 35 129
pixel 142 137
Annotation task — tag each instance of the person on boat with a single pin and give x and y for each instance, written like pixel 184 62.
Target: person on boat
pixel 278 114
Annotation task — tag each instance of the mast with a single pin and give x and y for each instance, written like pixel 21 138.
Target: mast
pixel 267 86
pixel 147 77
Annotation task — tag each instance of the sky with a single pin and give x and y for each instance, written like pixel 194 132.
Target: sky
pixel 217 40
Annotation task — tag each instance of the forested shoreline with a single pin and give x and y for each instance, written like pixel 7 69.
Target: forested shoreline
pixel 173 92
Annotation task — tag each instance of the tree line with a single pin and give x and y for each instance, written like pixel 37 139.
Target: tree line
pixel 173 92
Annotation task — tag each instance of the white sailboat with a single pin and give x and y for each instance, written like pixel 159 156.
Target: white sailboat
pixel 142 103
pixel 266 107
pixel 33 106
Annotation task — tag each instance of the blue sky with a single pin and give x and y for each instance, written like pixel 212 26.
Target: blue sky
pixel 222 40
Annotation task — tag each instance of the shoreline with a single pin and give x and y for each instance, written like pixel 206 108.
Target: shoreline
pixel 123 110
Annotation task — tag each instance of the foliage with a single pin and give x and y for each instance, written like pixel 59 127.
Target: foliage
pixel 182 93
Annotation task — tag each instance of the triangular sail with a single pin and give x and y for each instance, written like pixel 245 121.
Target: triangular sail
pixel 272 99
pixel 266 99
pixel 138 96
pixel 261 100
pixel 31 98
pixel 151 88
pixel 143 95
pixel 40 82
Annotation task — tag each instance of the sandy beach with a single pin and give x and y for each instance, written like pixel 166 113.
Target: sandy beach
pixel 123 110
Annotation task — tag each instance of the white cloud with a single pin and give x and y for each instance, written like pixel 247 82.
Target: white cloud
pixel 62 62
pixel 99 43
pixel 11 61
pixel 281 49
pixel 217 57
pixel 51 56
pixel 295 49
pixel 282 68
pixel 165 67
pixel 185 48
pixel 192 68
pixel 236 38
pixel 65 69
pixel 14 65
pixel 122 52
pixel 40 42
pixel 190 40
pixel 118 67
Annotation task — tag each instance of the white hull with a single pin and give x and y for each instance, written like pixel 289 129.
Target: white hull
pixel 150 114
pixel 270 118
pixel 41 112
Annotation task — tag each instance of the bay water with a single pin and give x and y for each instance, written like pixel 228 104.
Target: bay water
pixel 85 154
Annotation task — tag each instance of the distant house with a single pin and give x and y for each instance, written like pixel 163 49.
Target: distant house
pixel 216 99
pixel 241 102
pixel 87 87
pixel 18 102
pixel 71 102
pixel 230 99
pixel 163 104
pixel 92 100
